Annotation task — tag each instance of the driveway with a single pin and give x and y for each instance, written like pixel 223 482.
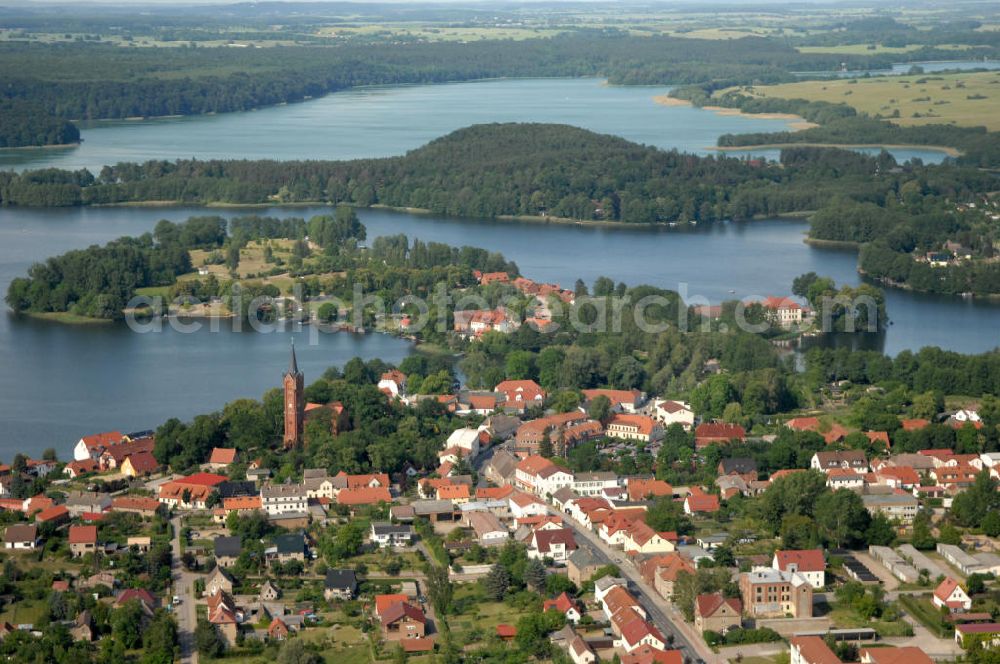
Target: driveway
pixel 661 612
pixel 187 617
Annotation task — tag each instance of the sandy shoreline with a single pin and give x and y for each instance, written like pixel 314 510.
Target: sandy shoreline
pixel 796 122
pixel 951 152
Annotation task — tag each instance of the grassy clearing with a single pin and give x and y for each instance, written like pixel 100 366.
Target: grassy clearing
pixel 24 612
pixel 966 100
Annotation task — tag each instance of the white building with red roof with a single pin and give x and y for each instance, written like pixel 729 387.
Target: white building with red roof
pixel 952 596
pixel 634 427
pixel 520 394
pixel 669 412
pixel 783 310
pixel 810 563
pixel 90 447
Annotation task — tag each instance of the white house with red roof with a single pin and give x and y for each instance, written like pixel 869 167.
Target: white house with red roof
pixel 393 383
pixel 520 394
pixel 951 595
pixel 524 504
pixel 564 605
pixel 90 447
pixel 540 476
pixel 810 563
pixel 668 412
pixel 623 401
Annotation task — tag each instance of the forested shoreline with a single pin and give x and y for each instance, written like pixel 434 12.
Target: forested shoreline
pixel 90 81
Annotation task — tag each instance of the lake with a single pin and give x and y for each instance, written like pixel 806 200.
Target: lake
pixel 63 381
pixel 387 121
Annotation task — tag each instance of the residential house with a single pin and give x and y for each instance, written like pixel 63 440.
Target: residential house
pixel 668 412
pixel 811 650
pixel 82 540
pixel 222 457
pixel 401 621
pixel 363 496
pixel 140 505
pixel 90 447
pixel 640 489
pixel 564 605
pixel 81 502
pixel 843 459
pixel 810 563
pixel 278 499
pixel 268 592
pixel 540 476
pixel 699 502
pixel 557 544
pixel 622 401
pixel 227 550
pixel 594 483
pixel 501 468
pixel 140 464
pixel 667 571
pixel 710 433
pixel 384 534
pixel 21 537
pixel 581 565
pixel 393 383
pixel 291 546
pixel 521 394
pixel 222 614
pixel 951 596
pixel 340 584
pixel 75 469
pixel 489 531
pixel 579 651
pixel 218 580
pixel 898 655
pixel 716 613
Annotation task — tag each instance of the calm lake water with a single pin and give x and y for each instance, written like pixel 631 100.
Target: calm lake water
pixel 62 381
pixel 386 121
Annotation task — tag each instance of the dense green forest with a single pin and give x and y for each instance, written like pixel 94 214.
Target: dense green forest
pixel 100 81
pixel 24 123
pixel 515 169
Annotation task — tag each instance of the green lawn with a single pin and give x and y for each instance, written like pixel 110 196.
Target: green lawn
pixel 24 612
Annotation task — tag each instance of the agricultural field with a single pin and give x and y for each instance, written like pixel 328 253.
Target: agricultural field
pixel 966 100
pixel 876 49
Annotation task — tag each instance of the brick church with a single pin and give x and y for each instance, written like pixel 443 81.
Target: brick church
pixel 298 412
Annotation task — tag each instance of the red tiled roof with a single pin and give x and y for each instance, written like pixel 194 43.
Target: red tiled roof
pixel 494 492
pixel 945 589
pixel 52 513
pixel 222 455
pixel 803 423
pixel 105 439
pixel 506 631
pixel 83 534
pixel 616 397
pixel 707 604
pixel 914 425
pixel 364 496
pixel 643 423
pixel 721 431
pixel 814 650
pixel 143 463
pixel 202 479
pixel 640 489
pixel 562 604
pixel 134 503
pixel 703 503
pixel 806 560
pixel 383 602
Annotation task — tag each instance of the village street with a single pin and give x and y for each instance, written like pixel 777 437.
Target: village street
pixel 187 618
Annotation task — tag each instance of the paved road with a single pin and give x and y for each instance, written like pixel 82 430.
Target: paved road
pixel 187 618
pixel 662 613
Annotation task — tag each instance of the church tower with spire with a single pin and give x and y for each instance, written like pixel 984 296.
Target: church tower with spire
pixel 294 384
